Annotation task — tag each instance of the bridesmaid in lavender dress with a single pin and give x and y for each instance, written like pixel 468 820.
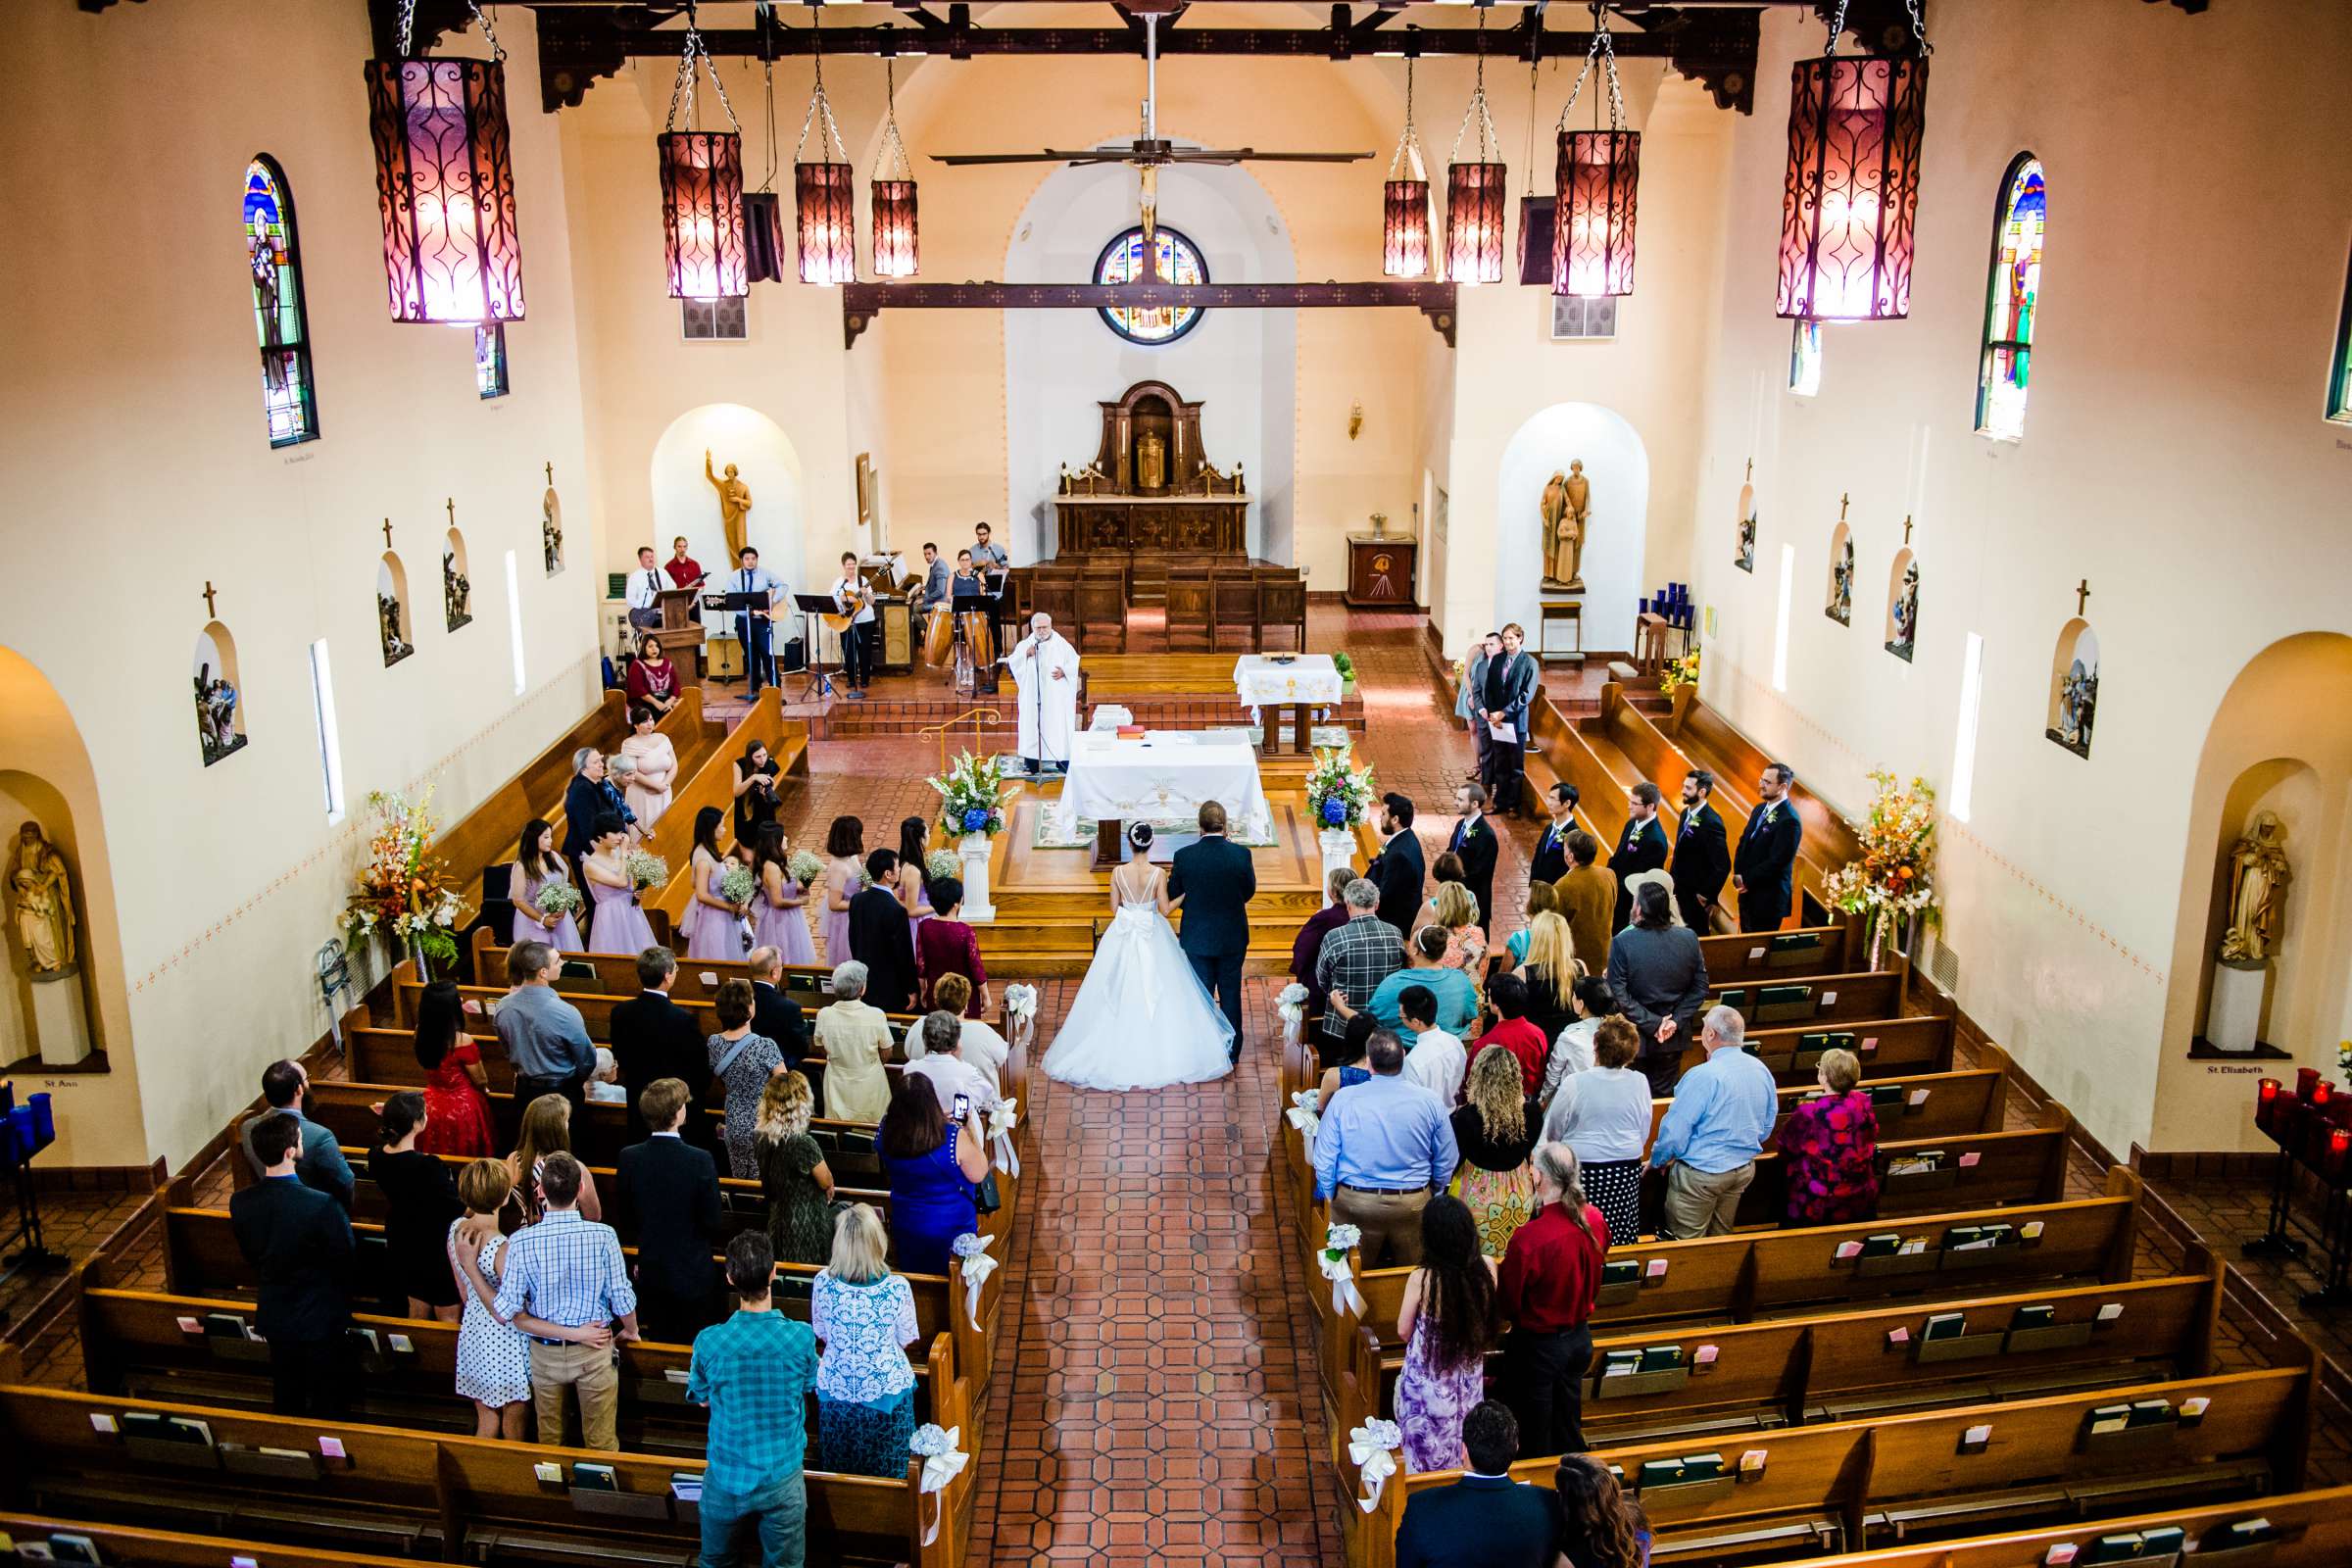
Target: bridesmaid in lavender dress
pixel 914 882
pixel 782 902
pixel 619 925
pixel 844 848
pixel 1447 1321
pixel 715 930
pixel 536 864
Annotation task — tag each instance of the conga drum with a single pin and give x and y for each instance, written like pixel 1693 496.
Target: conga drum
pixel 939 637
pixel 980 635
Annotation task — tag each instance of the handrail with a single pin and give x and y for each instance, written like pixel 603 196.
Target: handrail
pixel 976 714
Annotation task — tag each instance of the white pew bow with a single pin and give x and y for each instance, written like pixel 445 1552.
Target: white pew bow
pixel 971 1249
pixel 1307 1112
pixel 943 1461
pixel 1002 1118
pixel 1373 1448
pixel 1337 1242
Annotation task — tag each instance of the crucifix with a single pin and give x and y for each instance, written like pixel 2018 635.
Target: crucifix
pixel 550 476
pixel 453 512
pixel 2082 594
pixel 1906 530
pixel 387 533
pixel 209 613
pixel 1843 502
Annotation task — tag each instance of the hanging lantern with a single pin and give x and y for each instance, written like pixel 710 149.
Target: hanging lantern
pixel 1476 194
pixel 893 189
pixel 1855 126
pixel 702 191
pixel 1405 200
pixel 445 186
pixel 1594 186
pixel 825 195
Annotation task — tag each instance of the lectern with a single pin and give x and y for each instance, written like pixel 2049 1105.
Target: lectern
pixel 681 631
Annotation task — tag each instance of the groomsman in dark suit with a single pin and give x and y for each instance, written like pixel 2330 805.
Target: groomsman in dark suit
pixel 1642 847
pixel 1551 845
pixel 1474 841
pixel 1702 854
pixel 1398 870
pixel 1216 880
pixel 654 1038
pixel 1762 867
pixel 298 1243
pixel 665 1200
pixel 880 937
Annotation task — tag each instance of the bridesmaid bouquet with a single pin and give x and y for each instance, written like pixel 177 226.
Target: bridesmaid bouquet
pixel 941 864
pixel 403 888
pixel 806 865
pixel 558 900
pixel 736 885
pixel 646 870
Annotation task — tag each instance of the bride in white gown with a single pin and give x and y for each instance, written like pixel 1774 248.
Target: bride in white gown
pixel 1143 1020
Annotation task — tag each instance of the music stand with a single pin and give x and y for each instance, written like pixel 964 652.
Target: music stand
pixel 812 607
pixel 742 604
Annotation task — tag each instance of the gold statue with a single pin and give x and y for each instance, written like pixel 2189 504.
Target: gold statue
pixel 1567 503
pixel 44 895
pixel 1151 461
pixel 734 499
pixel 2258 878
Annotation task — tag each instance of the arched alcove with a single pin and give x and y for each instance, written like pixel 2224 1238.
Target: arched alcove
pixel 1616 524
pixel 1902 605
pixel 219 695
pixel 392 625
pixel 685 501
pixel 1743 555
pixel 456 584
pixel 2281 742
pixel 551 531
pixel 1839 605
pixel 2074 686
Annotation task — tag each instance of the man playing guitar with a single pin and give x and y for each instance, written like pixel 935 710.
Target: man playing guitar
pixel 855 600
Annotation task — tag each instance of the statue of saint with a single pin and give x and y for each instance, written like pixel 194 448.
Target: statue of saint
pixel 38 880
pixel 2258 879
pixel 456 591
pixel 1567 503
pixel 1842 584
pixel 1151 461
pixel 551 534
pixel 388 614
pixel 1904 613
pixel 734 499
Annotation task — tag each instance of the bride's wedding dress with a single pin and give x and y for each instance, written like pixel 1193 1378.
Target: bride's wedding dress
pixel 1143 1020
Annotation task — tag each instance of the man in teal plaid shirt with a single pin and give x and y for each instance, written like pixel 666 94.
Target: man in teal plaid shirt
pixel 755 1372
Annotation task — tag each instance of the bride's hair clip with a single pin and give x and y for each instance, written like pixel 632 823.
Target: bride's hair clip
pixel 1140 835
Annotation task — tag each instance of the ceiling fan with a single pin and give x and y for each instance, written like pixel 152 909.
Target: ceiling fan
pixel 1150 152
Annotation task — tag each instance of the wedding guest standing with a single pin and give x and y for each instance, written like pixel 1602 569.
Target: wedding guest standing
pixel 653 680
pixel 1541 899
pixel 1486 1519
pixel 566 1286
pixel 744 1061
pixel 546 1133
pixel 1397 869
pixel 1550 1278
pixel 494 1361
pixel 1829 1148
pixel 934 1163
pixel 755 1371
pixel 1660 980
pixel 419 1201
pixel 878 936
pixel 782 903
pixel 1588 900
pixel 945 945
pixel 537 867
pixel 544 1036
pixel 1642 847
pixel 1601 1115
pixel 456 1108
pixel 1448 1322
pixel 1474 839
pixel 794 1177
pixel 619 926
pixel 1496 1132
pixel 716 928
pixel 1600 1527
pixel 1307 946
pixel 1550 972
pixel 853 1037
pixel 982 1048
pixel 665 1202
pixel 865 1317
pixel 755 774
pixel 653 1039
pixel 299 1241
pixel 844 874
pixel 589 796
pixel 655 764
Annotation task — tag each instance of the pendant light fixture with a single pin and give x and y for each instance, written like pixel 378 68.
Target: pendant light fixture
pixel 1404 197
pixel 895 232
pixel 702 188
pixel 824 191
pixel 1595 183
pixel 762 224
pixel 1856 129
pixel 1478 193
pixel 445 182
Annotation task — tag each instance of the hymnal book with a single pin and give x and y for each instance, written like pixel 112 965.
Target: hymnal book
pixel 73 1548
pixel 2237 1533
pixel 1774 996
pixel 1918 1165
pixel 685 1486
pixel 1620 1363
pixel 2110 1418
pixel 1621 1271
pixel 2033 1317
pixel 1883 1245
pixel 187 1429
pixel 1661 1357
pixel 2112 1548
pixel 594 1477
pixel 1945 1326
pixel 224 1326
pixel 2152 1412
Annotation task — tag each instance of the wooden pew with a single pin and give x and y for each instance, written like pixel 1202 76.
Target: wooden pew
pixel 129 1546
pixel 1853 1365
pixel 1815 999
pixel 404 1493
pixel 711 782
pixel 1769 958
pixel 1885 1046
pixel 1796 1492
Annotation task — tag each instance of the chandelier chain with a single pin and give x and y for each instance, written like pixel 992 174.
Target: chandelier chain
pixel 821 107
pixel 1837 26
pixel 404 27
pixel 1919 27
pixel 1602 49
pixel 682 91
pixel 1406 162
pixel 1478 111
pixel 893 154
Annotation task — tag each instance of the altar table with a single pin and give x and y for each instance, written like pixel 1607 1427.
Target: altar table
pixel 1306 681
pixel 1167 773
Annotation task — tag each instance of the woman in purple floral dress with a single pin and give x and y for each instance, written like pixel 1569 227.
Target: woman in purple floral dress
pixel 1448 1322
pixel 1829 1148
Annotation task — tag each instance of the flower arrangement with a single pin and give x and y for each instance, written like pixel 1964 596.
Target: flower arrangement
pixel 1895 878
pixel 646 870
pixel 1340 796
pixel 557 899
pixel 806 865
pixel 1679 674
pixel 940 864
pixel 736 884
pixel 968 800
pixel 403 888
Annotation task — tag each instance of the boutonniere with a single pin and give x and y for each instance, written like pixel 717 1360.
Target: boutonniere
pixel 1470 829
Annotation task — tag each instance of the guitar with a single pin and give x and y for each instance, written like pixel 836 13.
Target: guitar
pixel 861 598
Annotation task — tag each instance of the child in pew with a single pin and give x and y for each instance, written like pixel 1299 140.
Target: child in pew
pixel 494 1362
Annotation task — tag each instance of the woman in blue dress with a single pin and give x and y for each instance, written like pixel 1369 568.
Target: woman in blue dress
pixel 933 1163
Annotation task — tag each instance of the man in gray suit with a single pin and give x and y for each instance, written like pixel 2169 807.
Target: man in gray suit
pixel 933 588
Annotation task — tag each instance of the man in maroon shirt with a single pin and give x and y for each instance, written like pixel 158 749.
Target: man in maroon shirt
pixel 684 572
pixel 1550 1277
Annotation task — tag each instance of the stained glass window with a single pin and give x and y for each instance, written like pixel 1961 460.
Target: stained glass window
pixel 2012 301
pixel 1804 358
pixel 2339 373
pixel 490 359
pixel 274 259
pixel 1178 261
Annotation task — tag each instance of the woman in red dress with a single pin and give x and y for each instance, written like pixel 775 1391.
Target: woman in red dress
pixel 456 1110
pixel 944 945
pixel 1829 1146
pixel 653 680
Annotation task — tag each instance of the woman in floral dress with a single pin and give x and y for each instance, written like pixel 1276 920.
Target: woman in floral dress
pixel 1497 1132
pixel 793 1175
pixel 1447 1321
pixel 864 1315
pixel 1829 1148
pixel 493 1363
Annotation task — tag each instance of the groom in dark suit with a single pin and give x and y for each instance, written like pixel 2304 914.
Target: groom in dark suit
pixel 1216 882
pixel 1398 870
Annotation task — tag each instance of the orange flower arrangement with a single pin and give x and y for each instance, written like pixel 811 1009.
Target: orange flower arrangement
pixel 403 888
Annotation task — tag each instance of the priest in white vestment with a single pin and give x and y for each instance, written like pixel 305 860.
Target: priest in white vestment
pixel 1045 666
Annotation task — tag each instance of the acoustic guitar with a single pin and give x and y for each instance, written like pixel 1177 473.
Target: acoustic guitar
pixel 861 598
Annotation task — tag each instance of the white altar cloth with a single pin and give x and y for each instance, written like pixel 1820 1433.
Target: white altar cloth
pixel 1164 775
pixel 1307 678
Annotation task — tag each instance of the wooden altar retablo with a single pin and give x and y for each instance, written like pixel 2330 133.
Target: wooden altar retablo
pixel 1158 493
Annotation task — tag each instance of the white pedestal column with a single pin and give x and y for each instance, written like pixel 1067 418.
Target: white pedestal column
pixel 2233 1018
pixel 976 907
pixel 1339 854
pixel 60 1023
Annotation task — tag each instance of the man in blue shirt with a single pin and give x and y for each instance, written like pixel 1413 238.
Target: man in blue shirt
pixel 756 629
pixel 755 1372
pixel 1720 1120
pixel 1383 1147
pixel 545 1036
pixel 565 1287
pixel 320 1164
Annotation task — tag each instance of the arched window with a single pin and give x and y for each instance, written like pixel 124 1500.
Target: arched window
pixel 1178 262
pixel 2011 303
pixel 282 324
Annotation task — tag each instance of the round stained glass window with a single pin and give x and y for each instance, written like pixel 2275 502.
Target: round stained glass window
pixel 1178 262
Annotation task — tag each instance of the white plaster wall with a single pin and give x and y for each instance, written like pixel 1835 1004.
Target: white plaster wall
pixel 1615 534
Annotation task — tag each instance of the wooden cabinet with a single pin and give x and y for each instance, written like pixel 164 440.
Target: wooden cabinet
pixel 1379 569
